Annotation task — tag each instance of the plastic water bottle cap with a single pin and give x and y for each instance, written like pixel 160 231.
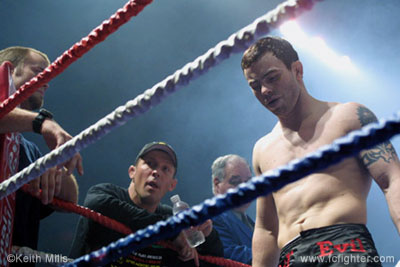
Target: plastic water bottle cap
pixel 175 198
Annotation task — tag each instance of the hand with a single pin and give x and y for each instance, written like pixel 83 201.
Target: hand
pixel 55 136
pixel 206 227
pixel 184 250
pixel 49 182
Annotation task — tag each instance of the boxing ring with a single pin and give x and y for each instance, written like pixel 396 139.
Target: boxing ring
pixel 268 182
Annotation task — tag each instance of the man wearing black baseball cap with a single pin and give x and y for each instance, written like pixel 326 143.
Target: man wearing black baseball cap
pixel 139 205
pixel 162 146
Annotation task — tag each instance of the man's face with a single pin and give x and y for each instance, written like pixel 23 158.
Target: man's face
pixel 236 172
pixel 33 64
pixel 153 177
pixel 275 87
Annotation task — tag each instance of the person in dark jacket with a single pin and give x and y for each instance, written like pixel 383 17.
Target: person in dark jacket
pixel 152 176
pixel 234 227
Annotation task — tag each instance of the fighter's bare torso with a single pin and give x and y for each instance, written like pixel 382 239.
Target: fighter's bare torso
pixel 335 195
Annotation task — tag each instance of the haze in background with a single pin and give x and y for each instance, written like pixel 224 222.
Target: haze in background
pixel 217 113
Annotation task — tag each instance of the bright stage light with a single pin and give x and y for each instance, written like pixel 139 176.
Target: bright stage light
pixel 316 46
pixel 291 30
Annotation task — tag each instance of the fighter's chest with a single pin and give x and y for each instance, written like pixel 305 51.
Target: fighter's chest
pixel 286 148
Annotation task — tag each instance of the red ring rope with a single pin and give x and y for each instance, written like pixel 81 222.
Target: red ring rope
pixel 123 229
pixel 96 36
pixel 86 212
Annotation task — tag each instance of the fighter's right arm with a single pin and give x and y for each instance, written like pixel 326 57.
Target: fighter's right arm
pixel 265 237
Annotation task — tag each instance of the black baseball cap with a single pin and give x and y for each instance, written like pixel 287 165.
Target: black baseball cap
pixel 158 146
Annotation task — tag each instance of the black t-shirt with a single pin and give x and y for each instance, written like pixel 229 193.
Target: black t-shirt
pixel 114 201
pixel 28 210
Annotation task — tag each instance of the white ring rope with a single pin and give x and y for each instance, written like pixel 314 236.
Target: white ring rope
pixel 237 42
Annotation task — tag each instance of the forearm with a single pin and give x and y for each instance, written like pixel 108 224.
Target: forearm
pixel 265 249
pixel 18 120
pixel 392 195
pixel 69 188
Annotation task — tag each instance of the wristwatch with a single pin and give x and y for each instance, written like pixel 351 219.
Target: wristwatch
pixel 38 121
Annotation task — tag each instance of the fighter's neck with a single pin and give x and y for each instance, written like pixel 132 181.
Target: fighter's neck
pixel 305 110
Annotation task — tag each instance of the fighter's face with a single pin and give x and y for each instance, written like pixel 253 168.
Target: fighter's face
pixel 275 87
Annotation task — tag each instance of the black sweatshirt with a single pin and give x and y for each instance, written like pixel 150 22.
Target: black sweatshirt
pixel 114 201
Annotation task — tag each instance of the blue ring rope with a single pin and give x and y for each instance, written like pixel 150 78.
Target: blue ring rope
pixel 344 147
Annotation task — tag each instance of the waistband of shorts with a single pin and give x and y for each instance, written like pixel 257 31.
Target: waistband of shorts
pixel 303 234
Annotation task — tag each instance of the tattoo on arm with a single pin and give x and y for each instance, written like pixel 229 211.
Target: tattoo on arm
pixel 384 151
pixel 365 116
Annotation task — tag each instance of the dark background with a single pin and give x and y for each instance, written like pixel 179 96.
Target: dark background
pixel 216 114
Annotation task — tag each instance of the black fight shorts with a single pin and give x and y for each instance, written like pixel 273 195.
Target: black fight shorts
pixel 336 245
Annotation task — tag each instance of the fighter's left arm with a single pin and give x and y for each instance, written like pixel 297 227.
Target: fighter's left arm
pixel 383 164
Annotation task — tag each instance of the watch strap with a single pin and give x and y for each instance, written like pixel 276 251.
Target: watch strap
pixel 39 119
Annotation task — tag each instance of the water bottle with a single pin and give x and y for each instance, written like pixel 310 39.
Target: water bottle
pixel 193 237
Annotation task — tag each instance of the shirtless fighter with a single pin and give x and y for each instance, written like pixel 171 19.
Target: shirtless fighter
pixel 323 214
